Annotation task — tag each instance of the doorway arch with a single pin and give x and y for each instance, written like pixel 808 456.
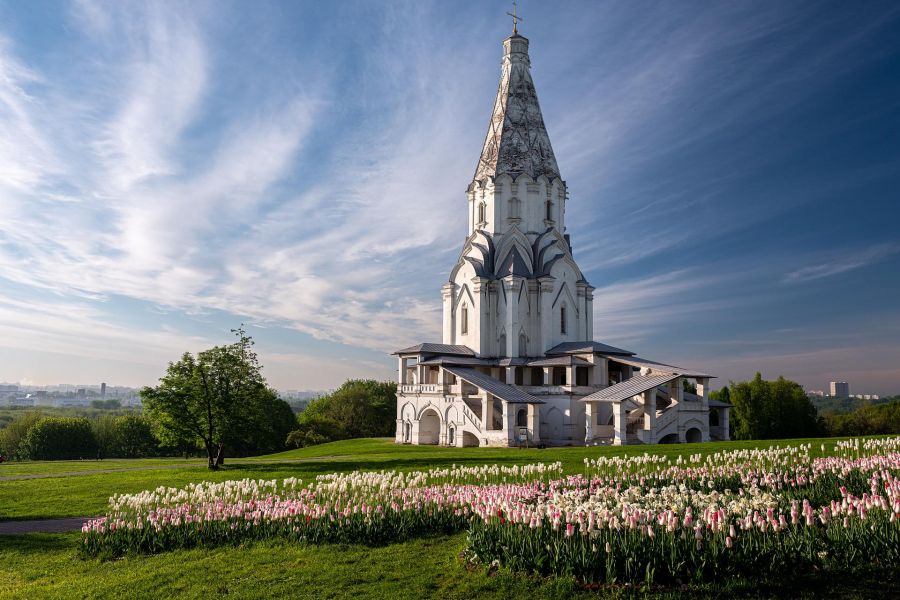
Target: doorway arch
pixel 429 427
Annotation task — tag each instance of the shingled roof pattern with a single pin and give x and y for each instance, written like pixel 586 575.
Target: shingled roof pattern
pixel 586 346
pixel 517 141
pixel 430 348
pixel 630 387
pixel 493 386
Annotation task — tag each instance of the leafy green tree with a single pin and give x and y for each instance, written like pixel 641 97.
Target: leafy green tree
pixel 771 410
pixel 60 438
pixel 216 398
pixel 316 430
pixel 104 428
pixel 364 408
pixel 868 419
pixel 12 435
pixel 134 437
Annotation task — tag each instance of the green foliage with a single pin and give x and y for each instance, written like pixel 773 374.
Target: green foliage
pixel 359 408
pixel 12 435
pixel 766 410
pixel 317 429
pixel 59 438
pixel 104 429
pixel 218 399
pixel 127 436
pixel 111 404
pixel 846 405
pixel 866 420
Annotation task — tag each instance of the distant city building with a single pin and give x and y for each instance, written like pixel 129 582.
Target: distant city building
pixel 840 389
pixel 103 390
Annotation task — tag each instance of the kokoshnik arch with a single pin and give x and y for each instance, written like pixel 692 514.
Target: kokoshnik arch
pixel 518 363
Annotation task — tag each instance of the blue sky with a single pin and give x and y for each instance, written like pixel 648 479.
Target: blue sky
pixel 170 170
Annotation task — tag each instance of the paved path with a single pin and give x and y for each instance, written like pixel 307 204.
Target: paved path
pixel 42 526
pixel 170 466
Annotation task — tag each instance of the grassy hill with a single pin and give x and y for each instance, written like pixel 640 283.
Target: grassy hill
pixel 46 565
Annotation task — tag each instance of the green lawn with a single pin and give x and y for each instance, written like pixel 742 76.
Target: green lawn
pixel 44 565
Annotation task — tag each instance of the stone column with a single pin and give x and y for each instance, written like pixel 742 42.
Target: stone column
pixel 599 375
pixel 547 321
pixel 723 421
pixel 534 422
pixel 486 410
pixel 447 295
pixel 589 312
pixel 402 368
pixel 703 391
pixel 620 418
pixel 547 371
pixel 570 375
pixel 650 416
pixel 509 422
pixel 511 376
pixel 589 419
pixel 511 286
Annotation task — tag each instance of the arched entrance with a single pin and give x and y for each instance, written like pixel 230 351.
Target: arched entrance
pixel 469 440
pixel 672 438
pixel 429 427
pixel 522 417
pixel 693 435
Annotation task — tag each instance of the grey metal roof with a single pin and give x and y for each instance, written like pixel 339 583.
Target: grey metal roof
pixel 559 361
pixel 429 348
pixel 719 404
pixel 637 361
pixel 630 387
pixel 586 346
pixel 493 386
pixel 460 360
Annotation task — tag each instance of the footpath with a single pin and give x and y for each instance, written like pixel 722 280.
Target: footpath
pixel 42 526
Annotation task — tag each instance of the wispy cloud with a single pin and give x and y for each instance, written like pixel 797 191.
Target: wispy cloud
pixel 842 263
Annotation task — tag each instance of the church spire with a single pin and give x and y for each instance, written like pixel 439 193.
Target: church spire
pixel 517 140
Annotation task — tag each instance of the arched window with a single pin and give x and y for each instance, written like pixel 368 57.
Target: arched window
pixel 523 345
pixel 451 436
pixel 513 208
pixel 562 320
pixel 549 215
pixel 481 212
pixel 464 320
pixel 522 418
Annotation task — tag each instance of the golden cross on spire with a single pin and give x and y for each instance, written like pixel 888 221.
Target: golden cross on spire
pixel 516 18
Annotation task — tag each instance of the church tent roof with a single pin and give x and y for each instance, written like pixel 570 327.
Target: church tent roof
pixel 517 142
pixel 495 387
pixel 628 388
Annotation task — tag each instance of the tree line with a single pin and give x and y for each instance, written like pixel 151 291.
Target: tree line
pixel 781 409
pixel 216 401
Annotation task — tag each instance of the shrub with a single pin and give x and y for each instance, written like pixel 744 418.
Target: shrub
pixel 316 430
pixel 134 437
pixel 60 438
pixel 12 435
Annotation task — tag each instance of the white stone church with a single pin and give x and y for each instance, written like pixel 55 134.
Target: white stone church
pixel 518 364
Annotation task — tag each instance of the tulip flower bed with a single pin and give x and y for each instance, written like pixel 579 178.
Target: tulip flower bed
pixel 754 514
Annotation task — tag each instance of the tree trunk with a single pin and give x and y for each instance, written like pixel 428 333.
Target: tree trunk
pixel 210 458
pixel 220 456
